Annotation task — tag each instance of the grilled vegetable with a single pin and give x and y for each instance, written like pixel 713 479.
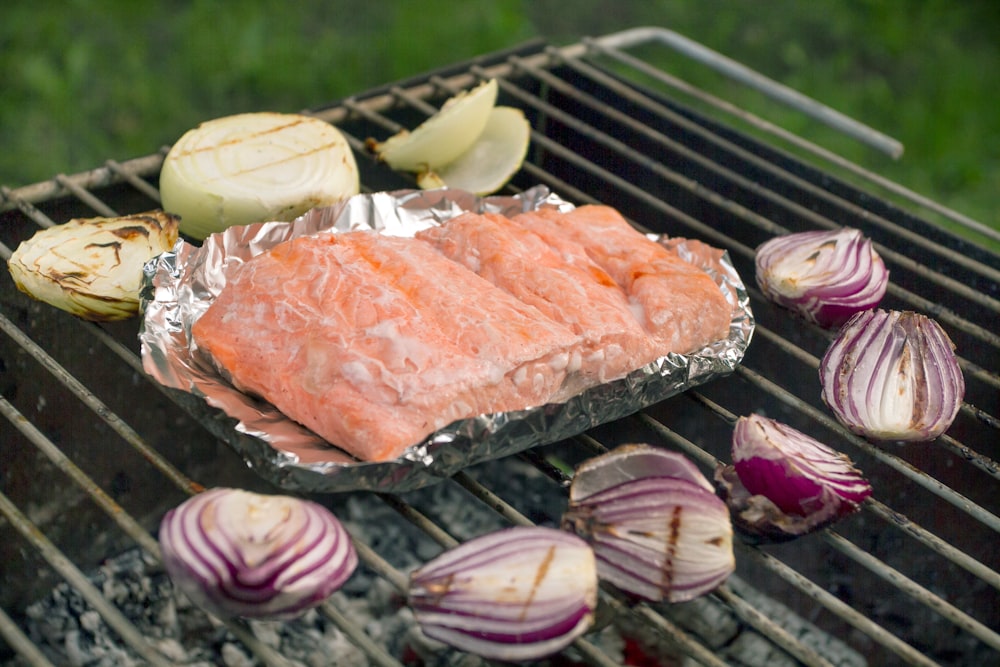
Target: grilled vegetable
pixel 469 144
pixel 442 137
pixel 893 375
pixel 783 483
pixel 92 267
pixel 825 276
pixel 492 159
pixel 255 167
pixel 236 553
pixel 515 594
pixel 657 528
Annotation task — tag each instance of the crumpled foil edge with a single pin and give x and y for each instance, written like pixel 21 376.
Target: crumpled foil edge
pixel 180 285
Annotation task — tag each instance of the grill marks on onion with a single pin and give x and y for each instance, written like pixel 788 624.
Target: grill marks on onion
pixel 673 535
pixel 516 594
pixel 656 536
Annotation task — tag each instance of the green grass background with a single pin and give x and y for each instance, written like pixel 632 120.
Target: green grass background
pixel 85 80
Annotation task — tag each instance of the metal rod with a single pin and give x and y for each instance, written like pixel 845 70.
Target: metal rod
pixel 134 179
pixel 923 479
pixel 781 637
pixel 893 518
pixel 762 124
pixel 115 511
pixel 835 605
pixel 729 205
pixel 61 564
pixel 20 642
pixel 88 180
pixel 372 649
pixel 759 162
pixel 933 542
pixel 913 589
pixel 757 81
pixel 381 567
pixel 980 461
pixel 85 196
pixel 89 399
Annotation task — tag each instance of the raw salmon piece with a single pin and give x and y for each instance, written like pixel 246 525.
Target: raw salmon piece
pixel 375 342
pixel 581 296
pixel 677 302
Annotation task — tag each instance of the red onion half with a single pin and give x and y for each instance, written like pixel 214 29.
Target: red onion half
pixel 657 528
pixel 893 375
pixel 516 594
pixel 236 553
pixel 783 483
pixel 825 276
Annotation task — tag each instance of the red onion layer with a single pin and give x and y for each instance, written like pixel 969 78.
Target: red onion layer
pixel 515 594
pixel 893 375
pixel 656 536
pixel 236 553
pixel 825 276
pixel 784 484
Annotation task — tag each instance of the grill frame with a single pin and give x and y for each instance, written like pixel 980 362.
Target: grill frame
pixel 695 423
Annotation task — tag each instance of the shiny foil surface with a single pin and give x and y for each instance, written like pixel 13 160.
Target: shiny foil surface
pixel 181 284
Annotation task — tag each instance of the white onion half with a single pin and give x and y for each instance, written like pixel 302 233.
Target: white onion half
pixel 236 553
pixel 255 167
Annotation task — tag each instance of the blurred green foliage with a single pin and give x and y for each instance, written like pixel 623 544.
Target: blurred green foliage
pixel 85 80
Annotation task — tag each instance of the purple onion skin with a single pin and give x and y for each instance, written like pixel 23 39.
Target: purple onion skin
pixel 892 376
pixel 824 276
pixel 657 528
pixel 517 594
pixel 784 484
pixel 657 538
pixel 236 553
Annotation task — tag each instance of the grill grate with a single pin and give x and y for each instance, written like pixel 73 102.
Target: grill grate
pixel 913 577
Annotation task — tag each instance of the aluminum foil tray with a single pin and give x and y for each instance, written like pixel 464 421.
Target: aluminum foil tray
pixel 180 285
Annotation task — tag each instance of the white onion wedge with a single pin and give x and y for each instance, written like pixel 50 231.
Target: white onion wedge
pixel 492 159
pixel 255 167
pixel 92 267
pixel 444 136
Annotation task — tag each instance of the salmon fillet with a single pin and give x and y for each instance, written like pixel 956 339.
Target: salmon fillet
pixel 374 342
pixel 676 302
pixel 580 295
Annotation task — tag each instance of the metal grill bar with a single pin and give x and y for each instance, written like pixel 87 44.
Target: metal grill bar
pixel 838 607
pixel 846 547
pixel 544 74
pixel 904 583
pixel 612 49
pixel 688 183
pixel 20 642
pixel 745 156
pixel 898 464
pixel 743 74
pixel 65 567
pixel 99 408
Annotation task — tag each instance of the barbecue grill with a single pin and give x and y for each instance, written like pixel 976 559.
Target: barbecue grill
pixel 94 453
